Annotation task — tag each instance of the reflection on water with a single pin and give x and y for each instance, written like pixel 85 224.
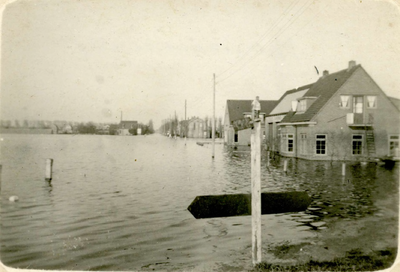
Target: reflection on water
pixel 119 203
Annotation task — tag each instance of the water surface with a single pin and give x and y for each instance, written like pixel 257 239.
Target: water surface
pixel 120 203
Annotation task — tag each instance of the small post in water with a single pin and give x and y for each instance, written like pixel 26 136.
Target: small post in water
pixel 267 158
pixel 343 169
pixel 49 170
pixel 256 183
pixel 285 166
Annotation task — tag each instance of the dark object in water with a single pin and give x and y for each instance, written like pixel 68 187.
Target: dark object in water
pixel 240 204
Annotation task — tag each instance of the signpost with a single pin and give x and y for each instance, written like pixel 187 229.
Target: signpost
pixel 256 203
pixel 256 182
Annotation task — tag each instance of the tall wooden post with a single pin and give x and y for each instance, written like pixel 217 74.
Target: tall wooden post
pixel 256 190
pixel 185 123
pixel 213 121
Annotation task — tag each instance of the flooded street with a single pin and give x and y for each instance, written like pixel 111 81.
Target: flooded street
pixel 120 203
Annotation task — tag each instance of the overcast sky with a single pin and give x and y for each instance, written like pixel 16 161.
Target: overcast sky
pixel 88 60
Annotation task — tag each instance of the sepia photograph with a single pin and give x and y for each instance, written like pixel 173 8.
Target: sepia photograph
pixel 183 135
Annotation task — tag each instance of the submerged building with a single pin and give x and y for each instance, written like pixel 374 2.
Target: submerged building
pixel 343 116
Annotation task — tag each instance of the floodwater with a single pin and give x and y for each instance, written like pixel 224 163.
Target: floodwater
pixel 120 203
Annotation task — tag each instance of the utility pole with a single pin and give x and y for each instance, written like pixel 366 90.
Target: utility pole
pixel 213 120
pixel 185 123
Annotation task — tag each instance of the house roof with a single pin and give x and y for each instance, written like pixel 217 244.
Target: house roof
pixel 323 89
pixel 236 108
pixel 284 104
pixel 395 101
pixel 128 122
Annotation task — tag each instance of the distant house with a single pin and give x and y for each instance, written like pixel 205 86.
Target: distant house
pixel 237 129
pixel 66 129
pixel 125 126
pixel 342 116
pixel 196 128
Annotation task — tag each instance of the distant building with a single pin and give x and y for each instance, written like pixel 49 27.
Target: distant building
pixel 66 129
pixel 196 128
pixel 237 128
pixel 125 126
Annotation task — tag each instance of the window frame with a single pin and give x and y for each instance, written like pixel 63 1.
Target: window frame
pixel 325 140
pixel 287 142
pixel 302 106
pixel 347 102
pixel 375 101
pixel 360 140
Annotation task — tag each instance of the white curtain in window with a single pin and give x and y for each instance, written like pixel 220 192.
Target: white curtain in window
pixel 371 101
pixel 345 100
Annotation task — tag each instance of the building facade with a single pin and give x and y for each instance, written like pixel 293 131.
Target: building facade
pixel 196 128
pixel 342 116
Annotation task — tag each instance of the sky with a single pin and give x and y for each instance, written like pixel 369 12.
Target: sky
pixel 90 60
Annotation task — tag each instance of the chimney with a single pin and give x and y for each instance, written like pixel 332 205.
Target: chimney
pixel 352 63
pixel 325 73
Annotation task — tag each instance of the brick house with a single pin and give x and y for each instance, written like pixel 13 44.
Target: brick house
pixel 237 129
pixel 342 116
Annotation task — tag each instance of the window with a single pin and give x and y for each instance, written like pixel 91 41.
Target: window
pixel 303 143
pixel 290 143
pixel 357 143
pixel 394 145
pixel 320 141
pixel 301 107
pixel 344 101
pixel 371 101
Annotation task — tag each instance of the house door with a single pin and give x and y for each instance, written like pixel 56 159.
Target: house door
pixel 358 108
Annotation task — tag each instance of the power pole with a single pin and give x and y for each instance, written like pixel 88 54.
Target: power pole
pixel 185 123
pixel 213 121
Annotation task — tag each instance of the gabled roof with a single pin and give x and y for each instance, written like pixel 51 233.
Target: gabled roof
pixel 323 89
pixel 236 108
pixel 284 104
pixel 395 101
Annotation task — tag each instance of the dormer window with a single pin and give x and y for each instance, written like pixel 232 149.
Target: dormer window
pixel 302 106
pixel 304 103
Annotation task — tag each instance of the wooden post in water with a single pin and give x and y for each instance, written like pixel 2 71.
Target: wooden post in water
pixel 343 169
pixel 285 165
pixel 256 189
pixel 49 170
pixel 267 158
